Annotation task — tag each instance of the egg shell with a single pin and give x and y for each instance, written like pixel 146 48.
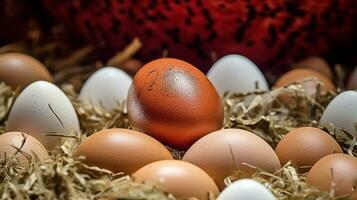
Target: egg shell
pixel 222 152
pixel 20 70
pixel 121 150
pixel 107 87
pixel 180 178
pixel 302 75
pixel 342 112
pixel 236 73
pixel 305 146
pixel 22 147
pixel 42 109
pixel 352 81
pixel 247 189
pixel 316 63
pixel 341 169
pixel 174 102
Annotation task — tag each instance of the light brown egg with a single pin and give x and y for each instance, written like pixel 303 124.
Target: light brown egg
pixel 222 152
pixel 305 146
pixel 19 70
pixel 301 75
pixel 180 178
pixel 174 102
pixel 22 147
pixel 121 150
pixel 339 169
pixel 352 80
pixel 316 63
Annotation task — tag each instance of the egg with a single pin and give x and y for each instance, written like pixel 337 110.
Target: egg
pixel 22 147
pixel 236 73
pixel 121 150
pixel 174 102
pixel 222 152
pixel 43 111
pixel 305 146
pixel 179 178
pixel 304 77
pixel 338 170
pixel 247 189
pixel 342 112
pixel 352 81
pixel 316 63
pixel 20 70
pixel 107 87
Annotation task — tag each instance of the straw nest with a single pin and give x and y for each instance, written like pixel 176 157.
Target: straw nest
pixel 64 177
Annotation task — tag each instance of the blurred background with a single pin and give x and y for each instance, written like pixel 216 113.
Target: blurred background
pixel 76 37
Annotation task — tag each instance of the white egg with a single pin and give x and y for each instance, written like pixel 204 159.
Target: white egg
pixel 247 189
pixel 236 73
pixel 42 109
pixel 107 87
pixel 342 112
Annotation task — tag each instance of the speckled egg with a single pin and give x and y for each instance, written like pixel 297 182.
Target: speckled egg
pixel 174 102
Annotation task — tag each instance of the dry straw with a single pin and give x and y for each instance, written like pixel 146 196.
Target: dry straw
pixel 63 177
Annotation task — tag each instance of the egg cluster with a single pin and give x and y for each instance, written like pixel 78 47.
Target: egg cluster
pixel 173 105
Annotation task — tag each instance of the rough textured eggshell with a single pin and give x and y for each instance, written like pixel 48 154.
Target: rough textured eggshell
pixel 41 109
pixel 180 178
pixel 21 146
pixel 344 169
pixel 121 150
pixel 342 112
pixel 247 189
pixel 221 152
pixel 174 102
pixel 305 146
pixel 316 63
pixel 236 73
pixel 301 75
pixel 18 69
pixel 107 87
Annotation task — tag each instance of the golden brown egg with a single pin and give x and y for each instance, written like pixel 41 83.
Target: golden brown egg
pixel 339 169
pixel 301 75
pixel 316 63
pixel 19 70
pixel 121 150
pixel 174 102
pixel 180 178
pixel 305 146
pixel 22 147
pixel 222 152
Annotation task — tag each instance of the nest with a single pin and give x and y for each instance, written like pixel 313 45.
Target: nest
pixel 269 114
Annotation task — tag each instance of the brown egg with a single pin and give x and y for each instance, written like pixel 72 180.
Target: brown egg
pixel 131 66
pixel 339 169
pixel 352 81
pixel 179 178
pixel 174 102
pixel 121 150
pixel 221 152
pixel 22 147
pixel 316 63
pixel 305 146
pixel 19 70
pixel 300 75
